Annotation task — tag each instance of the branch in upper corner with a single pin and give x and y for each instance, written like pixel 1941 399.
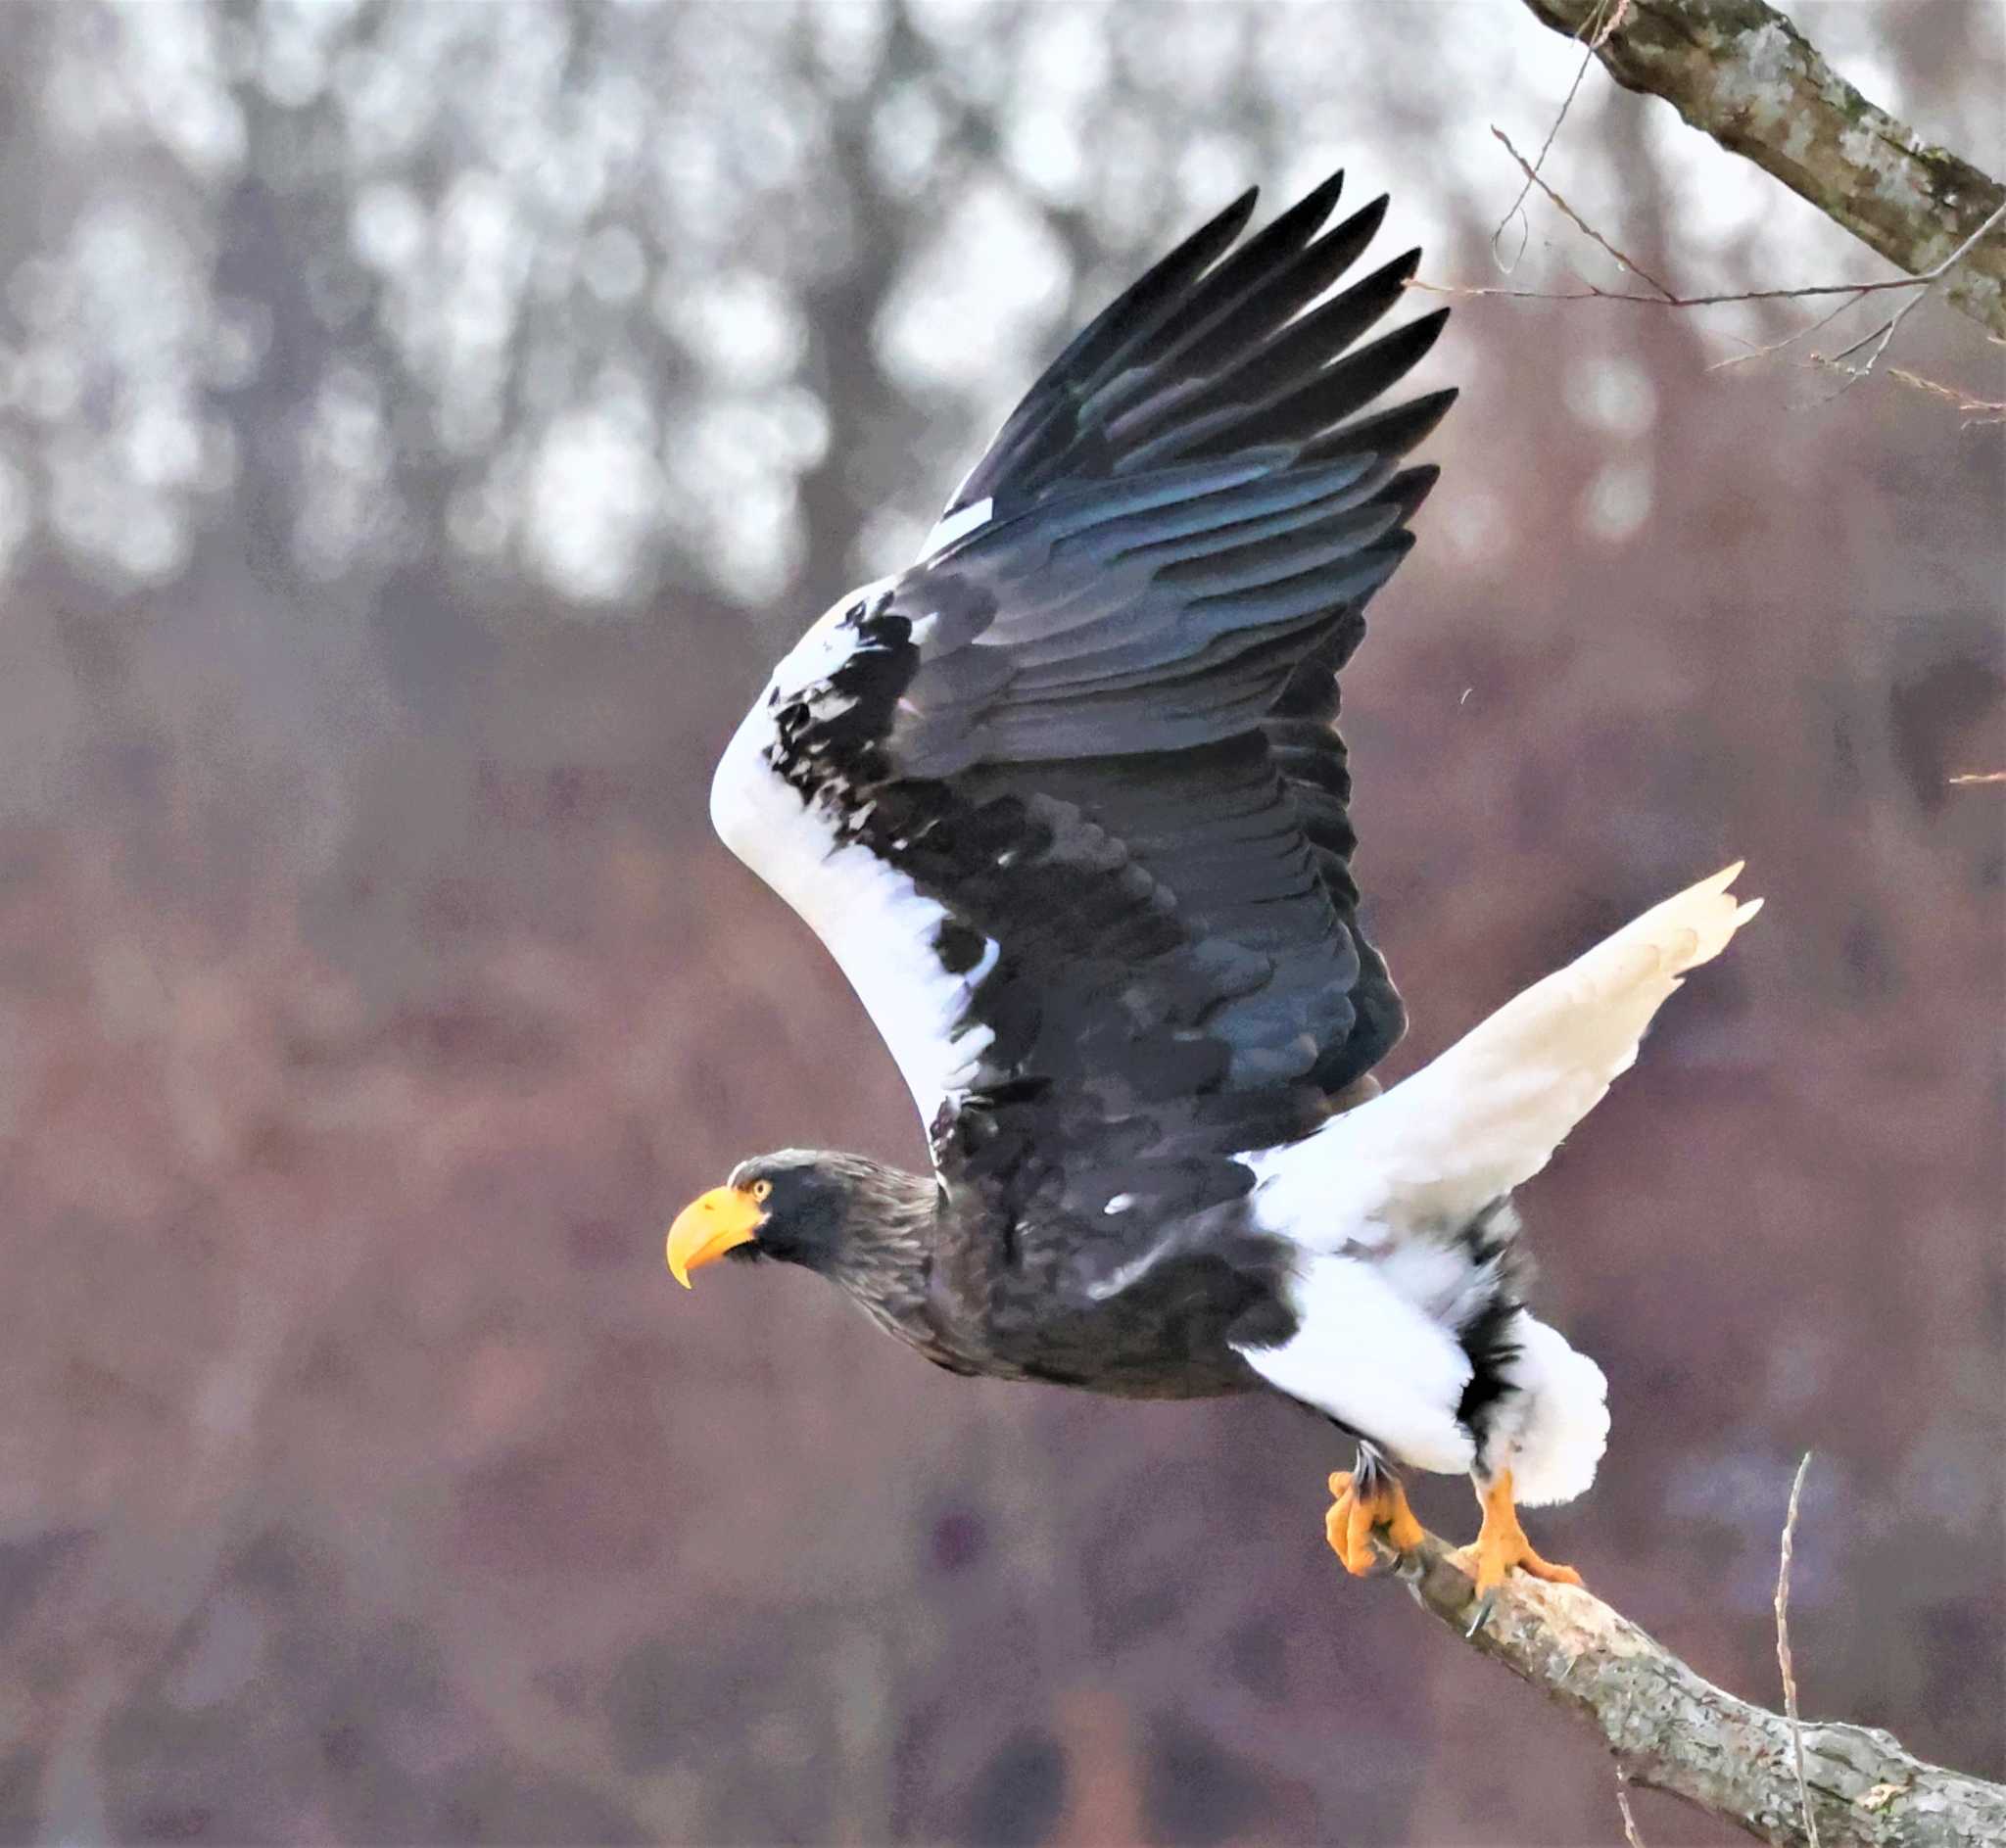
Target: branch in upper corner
pixel 1673 1730
pixel 1742 73
pixel 1664 296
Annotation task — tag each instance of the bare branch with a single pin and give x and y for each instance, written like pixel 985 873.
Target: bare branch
pixel 1775 347
pixel 1744 74
pixel 1532 176
pixel 1971 779
pixel 1630 1834
pixel 1886 332
pixel 1975 410
pixel 1575 218
pixel 1673 1730
pixel 1783 1652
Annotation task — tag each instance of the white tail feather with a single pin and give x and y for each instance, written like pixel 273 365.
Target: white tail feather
pixel 1383 1182
pixel 1490 1111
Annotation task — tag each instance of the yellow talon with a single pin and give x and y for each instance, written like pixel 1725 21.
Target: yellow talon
pixel 1501 1544
pixel 1354 1518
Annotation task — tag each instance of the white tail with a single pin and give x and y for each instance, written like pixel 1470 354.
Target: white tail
pixel 1490 1111
pixel 1374 1198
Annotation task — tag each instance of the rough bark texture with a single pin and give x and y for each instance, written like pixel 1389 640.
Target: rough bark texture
pixel 1742 73
pixel 1673 1730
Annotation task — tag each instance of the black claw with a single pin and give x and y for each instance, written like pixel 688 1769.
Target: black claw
pixel 1485 1605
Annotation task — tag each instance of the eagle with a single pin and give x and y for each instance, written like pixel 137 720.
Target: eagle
pixel 1066 802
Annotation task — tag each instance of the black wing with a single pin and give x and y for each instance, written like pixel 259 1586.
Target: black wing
pixel 1095 729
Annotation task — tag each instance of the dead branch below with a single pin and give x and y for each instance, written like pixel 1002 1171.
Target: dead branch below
pixel 1673 1730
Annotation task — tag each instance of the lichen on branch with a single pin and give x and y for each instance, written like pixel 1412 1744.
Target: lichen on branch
pixel 1672 1729
pixel 1741 71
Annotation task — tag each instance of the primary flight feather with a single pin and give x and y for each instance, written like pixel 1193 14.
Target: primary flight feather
pixel 1067 803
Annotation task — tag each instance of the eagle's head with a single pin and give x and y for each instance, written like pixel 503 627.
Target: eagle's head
pixel 796 1206
pixel 861 1225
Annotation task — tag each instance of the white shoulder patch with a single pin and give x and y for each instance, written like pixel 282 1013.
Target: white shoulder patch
pixel 879 929
pixel 956 525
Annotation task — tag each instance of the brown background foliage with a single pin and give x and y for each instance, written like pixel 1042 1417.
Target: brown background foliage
pixel 370 991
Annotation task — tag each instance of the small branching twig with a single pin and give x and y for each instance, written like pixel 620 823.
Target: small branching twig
pixel 1663 295
pixel 1581 224
pixel 1596 32
pixel 1783 1652
pixel 1630 1834
pixel 1789 339
pixel 1667 297
pixel 1884 334
pixel 1975 410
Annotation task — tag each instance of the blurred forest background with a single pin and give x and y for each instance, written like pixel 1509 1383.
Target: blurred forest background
pixel 420 424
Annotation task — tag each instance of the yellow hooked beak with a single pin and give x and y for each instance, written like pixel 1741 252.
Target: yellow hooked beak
pixel 709 1226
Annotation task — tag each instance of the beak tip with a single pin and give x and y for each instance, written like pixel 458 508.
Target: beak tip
pixel 708 1228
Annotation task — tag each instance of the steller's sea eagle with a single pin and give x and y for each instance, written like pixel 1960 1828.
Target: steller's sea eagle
pixel 1066 802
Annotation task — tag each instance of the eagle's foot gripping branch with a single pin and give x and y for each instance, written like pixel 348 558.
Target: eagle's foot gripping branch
pixel 1369 1502
pixel 1499 1546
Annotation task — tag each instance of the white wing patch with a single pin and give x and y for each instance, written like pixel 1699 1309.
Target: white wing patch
pixel 954 526
pixel 871 919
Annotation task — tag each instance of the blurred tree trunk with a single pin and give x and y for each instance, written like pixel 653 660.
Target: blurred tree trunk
pixel 1742 73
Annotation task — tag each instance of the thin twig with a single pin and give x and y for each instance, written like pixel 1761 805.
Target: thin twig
pixel 1629 1833
pixel 1581 224
pixel 1596 36
pixel 1669 298
pixel 1516 210
pixel 1789 339
pixel 1782 1650
pixel 1971 778
pixel 1594 293
pixel 1976 409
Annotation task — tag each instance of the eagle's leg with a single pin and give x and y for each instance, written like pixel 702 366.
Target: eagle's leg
pixel 1369 1497
pixel 1501 1544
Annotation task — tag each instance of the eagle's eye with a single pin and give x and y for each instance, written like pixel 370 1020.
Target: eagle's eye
pixel 761 1189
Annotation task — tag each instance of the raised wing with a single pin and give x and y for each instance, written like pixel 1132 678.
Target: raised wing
pixel 1065 799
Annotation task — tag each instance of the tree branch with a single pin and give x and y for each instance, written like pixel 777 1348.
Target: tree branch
pixel 1675 1731
pixel 1744 74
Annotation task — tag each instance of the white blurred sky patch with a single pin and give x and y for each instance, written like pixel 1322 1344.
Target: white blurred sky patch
pixel 659 193
pixel 984 290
